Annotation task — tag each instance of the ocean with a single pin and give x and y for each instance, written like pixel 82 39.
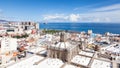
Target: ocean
pixel 96 27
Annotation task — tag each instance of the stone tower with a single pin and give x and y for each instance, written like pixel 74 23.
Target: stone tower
pixel 62 37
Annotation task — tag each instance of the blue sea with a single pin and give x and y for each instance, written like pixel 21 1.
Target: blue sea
pixel 96 27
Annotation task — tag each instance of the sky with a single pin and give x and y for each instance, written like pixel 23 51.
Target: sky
pixel 61 10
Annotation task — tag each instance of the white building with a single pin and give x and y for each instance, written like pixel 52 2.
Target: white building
pixel 8 44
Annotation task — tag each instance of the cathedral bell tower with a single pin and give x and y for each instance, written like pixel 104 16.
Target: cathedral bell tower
pixel 62 37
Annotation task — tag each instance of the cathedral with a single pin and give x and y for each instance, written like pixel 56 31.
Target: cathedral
pixel 63 49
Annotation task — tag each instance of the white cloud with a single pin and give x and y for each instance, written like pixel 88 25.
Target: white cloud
pixel 74 17
pixel 61 17
pixel 108 8
pixel 95 16
pixel 55 17
pixel 75 8
pixel 109 16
